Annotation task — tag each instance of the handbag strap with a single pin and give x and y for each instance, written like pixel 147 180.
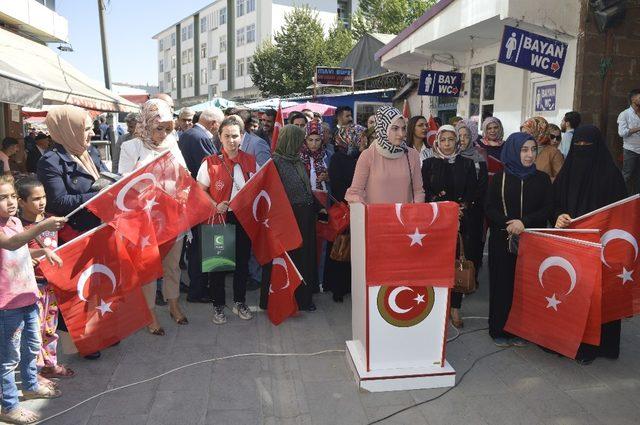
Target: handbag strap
pixel 504 202
pixel 461 255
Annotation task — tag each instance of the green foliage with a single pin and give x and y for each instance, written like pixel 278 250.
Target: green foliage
pixel 387 16
pixel 338 44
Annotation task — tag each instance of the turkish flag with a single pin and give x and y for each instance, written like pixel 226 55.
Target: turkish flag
pixel 406 112
pixel 285 279
pixel 554 283
pixel 411 244
pixel 263 209
pixel 494 165
pixel 162 188
pixel 433 131
pixel 620 231
pixel 277 125
pixel 98 290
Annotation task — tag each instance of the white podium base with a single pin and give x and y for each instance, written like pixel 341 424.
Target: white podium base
pixel 413 378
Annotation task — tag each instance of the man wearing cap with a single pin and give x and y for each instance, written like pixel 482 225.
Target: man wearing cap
pixel 185 120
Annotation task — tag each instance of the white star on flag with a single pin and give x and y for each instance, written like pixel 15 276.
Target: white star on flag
pixel 144 241
pixel 104 308
pixel 552 302
pixel 416 237
pixel 419 298
pixel 266 222
pixel 626 275
pixel 150 204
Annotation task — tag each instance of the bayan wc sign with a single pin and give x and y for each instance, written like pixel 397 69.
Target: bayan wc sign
pixel 533 52
pixel 439 83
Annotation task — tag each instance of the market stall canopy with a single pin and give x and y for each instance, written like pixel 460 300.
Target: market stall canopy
pixel 217 102
pixel 44 71
pixel 321 108
pixel 270 104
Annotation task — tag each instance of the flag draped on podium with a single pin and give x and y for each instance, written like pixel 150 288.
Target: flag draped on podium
pixel 619 225
pixel 554 283
pixel 411 244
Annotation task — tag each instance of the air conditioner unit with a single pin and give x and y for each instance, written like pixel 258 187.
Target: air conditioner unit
pixel 607 13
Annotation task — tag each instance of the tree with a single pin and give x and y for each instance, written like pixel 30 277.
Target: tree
pixel 338 44
pixel 288 64
pixel 387 16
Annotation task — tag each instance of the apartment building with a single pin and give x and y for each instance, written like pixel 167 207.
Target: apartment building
pixel 208 53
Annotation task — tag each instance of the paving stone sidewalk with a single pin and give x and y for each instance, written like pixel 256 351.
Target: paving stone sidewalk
pixel 516 386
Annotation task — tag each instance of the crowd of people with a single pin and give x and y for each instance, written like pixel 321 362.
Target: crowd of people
pixel 545 175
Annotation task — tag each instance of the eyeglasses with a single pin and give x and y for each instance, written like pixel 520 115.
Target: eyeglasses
pixel 557 137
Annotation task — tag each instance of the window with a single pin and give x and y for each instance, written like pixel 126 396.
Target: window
pixel 190 31
pixel 203 24
pixel 223 43
pixel 203 76
pixel 251 33
pixel 223 16
pixel 185 57
pixel 213 63
pixel 183 31
pixel 160 44
pixel 190 55
pixel 174 83
pixel 213 90
pixel 482 96
pixel 251 6
pixel 223 72
pixel 240 7
pixel 203 50
pixel 173 61
pixel 249 63
pixel 161 87
pixel 240 37
pixel 167 77
pixel 239 67
pixel 187 80
pixel 173 39
pixel 184 81
pixel 214 18
pixel 160 65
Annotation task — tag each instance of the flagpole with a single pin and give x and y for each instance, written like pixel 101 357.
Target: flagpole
pixel 606 207
pixel 564 238
pixel 115 184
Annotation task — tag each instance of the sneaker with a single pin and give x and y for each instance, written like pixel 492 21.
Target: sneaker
pixel 501 342
pixel 218 315
pixel 518 342
pixel 242 311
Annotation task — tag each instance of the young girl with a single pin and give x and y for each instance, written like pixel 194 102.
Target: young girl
pixel 32 201
pixel 19 324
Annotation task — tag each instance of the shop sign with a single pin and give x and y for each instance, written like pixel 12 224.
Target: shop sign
pixel 439 83
pixel 545 100
pixel 337 77
pixel 533 52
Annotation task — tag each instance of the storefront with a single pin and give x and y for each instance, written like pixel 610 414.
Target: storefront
pixel 466 36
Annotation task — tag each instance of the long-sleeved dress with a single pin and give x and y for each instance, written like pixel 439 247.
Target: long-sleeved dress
pixel 536 197
pixel 457 182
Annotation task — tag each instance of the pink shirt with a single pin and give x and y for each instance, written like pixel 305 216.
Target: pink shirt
pixel 18 286
pixel 380 180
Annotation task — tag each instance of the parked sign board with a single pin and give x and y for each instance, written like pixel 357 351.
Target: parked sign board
pixel 336 77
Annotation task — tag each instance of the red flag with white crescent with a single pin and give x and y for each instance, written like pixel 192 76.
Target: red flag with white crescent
pixel 263 209
pixel 620 232
pixel 433 131
pixel 411 244
pixel 406 112
pixel 554 284
pixel 285 279
pixel 277 125
pixel 98 289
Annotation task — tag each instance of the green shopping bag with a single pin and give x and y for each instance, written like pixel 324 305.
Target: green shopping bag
pixel 218 247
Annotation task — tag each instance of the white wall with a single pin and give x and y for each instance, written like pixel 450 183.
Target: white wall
pixel 37 16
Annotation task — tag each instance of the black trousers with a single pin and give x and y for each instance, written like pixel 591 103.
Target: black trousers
pixel 241 273
pixel 502 270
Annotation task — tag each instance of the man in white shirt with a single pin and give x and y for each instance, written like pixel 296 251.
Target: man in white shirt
pixel 629 130
pixel 570 121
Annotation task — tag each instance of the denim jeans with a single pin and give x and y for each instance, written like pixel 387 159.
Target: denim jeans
pixel 19 345
pixel 631 167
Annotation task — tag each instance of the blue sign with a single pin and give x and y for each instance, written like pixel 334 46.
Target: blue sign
pixel 533 52
pixel 438 83
pixel 545 98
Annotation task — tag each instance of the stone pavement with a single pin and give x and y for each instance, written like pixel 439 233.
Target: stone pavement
pixel 516 386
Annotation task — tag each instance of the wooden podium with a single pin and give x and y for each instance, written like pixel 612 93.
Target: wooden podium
pixel 391 349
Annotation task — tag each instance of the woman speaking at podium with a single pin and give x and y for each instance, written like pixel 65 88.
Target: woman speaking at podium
pixel 388 171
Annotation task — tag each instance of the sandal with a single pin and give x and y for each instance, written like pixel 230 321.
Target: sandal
pixel 19 416
pixel 156 331
pixel 180 320
pixel 57 371
pixel 43 391
pixel 45 381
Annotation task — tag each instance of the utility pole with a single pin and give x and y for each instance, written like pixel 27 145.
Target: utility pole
pixel 107 75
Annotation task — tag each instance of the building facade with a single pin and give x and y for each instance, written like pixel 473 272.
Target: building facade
pixel 208 53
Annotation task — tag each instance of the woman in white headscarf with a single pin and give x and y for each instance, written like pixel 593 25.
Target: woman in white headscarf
pixel 156 136
pixel 388 171
pixel 448 176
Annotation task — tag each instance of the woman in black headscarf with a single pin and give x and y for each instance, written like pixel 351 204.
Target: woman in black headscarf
pixel 588 180
pixel 519 197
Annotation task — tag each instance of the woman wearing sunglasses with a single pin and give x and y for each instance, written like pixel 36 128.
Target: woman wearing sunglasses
pixel 548 136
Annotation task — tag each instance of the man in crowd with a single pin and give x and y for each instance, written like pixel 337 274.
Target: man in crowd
pixel 309 114
pixel 185 120
pixel 252 143
pixel 570 121
pixel 629 130
pixel 104 129
pixel 131 120
pixel 268 123
pixel 343 116
pixel 42 142
pixel 9 148
pixel 298 118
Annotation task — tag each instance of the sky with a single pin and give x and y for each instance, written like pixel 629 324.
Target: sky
pixel 130 24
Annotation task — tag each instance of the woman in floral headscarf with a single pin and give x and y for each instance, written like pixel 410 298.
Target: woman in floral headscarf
pixel 388 171
pixel 549 158
pixel 314 156
pixel 156 136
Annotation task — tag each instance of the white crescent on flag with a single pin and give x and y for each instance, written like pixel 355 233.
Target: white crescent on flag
pixel 265 195
pixel 280 262
pixel 617 234
pixel 127 187
pixel 558 262
pixel 86 274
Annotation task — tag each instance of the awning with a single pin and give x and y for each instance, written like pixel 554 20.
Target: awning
pixel 58 82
